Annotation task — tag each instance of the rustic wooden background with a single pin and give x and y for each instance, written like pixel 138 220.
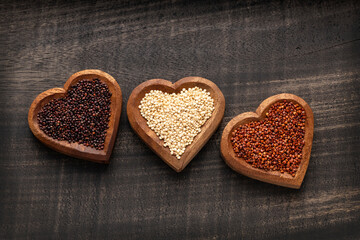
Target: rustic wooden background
pixel 250 49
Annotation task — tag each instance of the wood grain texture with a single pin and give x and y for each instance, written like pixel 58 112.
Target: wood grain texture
pixel 274 177
pixel 75 149
pixel 139 124
pixel 250 49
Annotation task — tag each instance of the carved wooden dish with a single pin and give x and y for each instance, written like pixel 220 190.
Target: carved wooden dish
pixel 75 149
pixel 139 124
pixel 274 177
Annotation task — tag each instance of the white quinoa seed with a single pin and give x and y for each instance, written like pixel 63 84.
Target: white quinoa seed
pixel 177 118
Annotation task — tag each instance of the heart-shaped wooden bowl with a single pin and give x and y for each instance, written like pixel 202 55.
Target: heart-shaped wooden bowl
pixel 139 124
pixel 274 177
pixel 75 149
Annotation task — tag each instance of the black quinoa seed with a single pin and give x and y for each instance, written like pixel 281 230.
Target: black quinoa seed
pixel 81 116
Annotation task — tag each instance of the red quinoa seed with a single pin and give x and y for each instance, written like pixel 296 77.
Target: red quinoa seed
pixel 274 143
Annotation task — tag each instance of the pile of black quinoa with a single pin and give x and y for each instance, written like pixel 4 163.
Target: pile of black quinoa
pixel 81 116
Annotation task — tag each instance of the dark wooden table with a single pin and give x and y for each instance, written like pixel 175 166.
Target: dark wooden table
pixel 250 49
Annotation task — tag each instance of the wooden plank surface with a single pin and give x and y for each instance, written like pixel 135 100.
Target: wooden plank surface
pixel 250 49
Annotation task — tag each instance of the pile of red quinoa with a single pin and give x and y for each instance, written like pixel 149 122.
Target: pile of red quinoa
pixel 81 116
pixel 274 143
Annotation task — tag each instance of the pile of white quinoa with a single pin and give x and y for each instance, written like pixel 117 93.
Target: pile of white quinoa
pixel 177 118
